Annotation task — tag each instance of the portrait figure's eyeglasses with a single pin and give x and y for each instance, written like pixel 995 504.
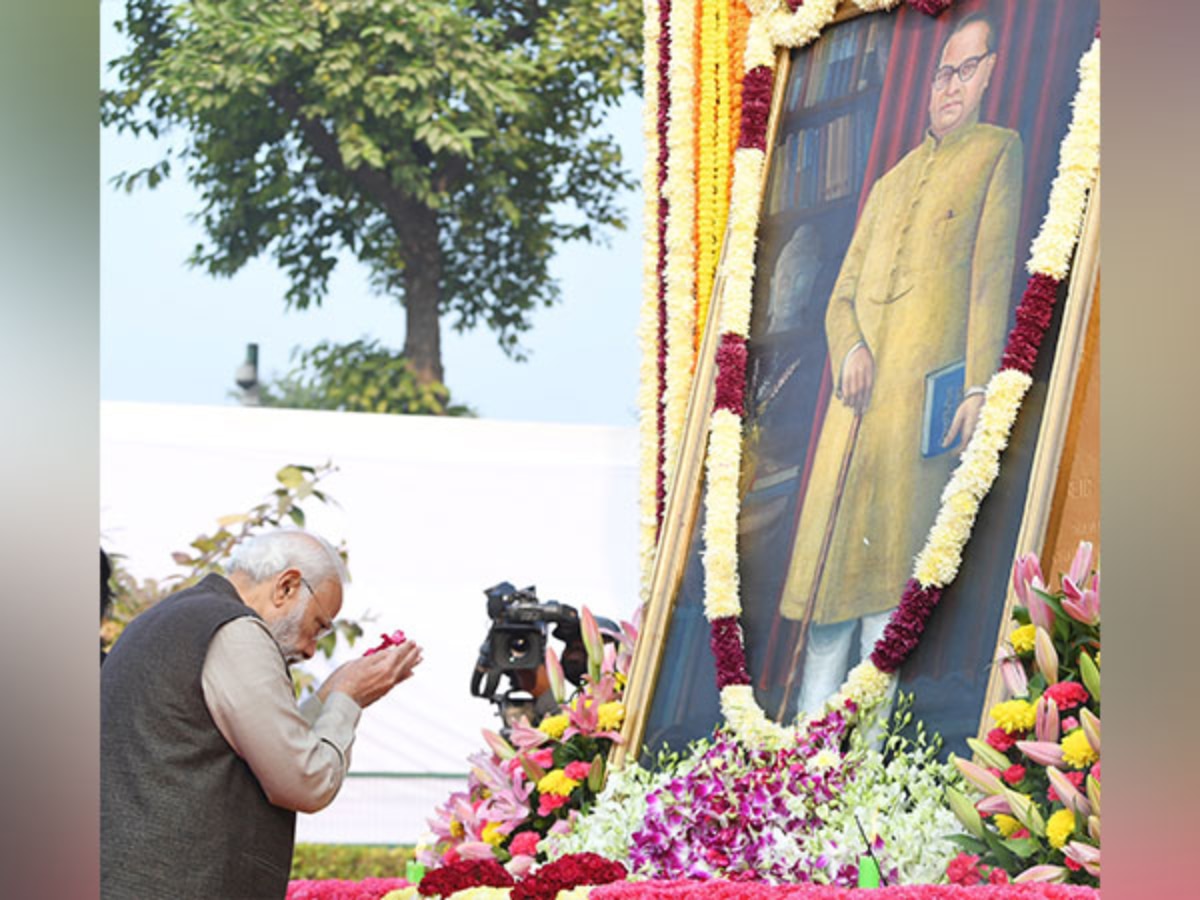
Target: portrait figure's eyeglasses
pixel 327 626
pixel 965 71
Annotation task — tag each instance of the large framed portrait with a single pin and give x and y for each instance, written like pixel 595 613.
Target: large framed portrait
pixel 909 167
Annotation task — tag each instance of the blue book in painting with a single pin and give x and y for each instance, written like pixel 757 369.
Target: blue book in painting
pixel 943 393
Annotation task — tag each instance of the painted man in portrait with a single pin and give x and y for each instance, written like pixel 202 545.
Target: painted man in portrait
pixel 915 325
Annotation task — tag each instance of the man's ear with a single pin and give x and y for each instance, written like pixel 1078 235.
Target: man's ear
pixel 286 586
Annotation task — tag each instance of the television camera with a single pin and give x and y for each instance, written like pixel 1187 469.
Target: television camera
pixel 515 649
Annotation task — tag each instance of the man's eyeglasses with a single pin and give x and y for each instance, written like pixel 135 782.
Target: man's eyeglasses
pixel 965 71
pixel 325 629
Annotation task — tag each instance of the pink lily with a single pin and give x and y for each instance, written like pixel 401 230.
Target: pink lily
pixel 978 776
pixel 1094 828
pixel 989 755
pixel 1092 785
pixel 1084 854
pixel 592 641
pixel 554 672
pixel 1046 655
pixel 1027 581
pixel 1046 728
pixel 584 715
pixel 499 745
pixel 1067 793
pixel 1012 670
pixel 997 803
pixel 1081 565
pixel 1026 812
pixel 1091 727
pixel 1083 608
pixel 476 850
pixel 1046 753
pixel 525 738
pixel 1046 874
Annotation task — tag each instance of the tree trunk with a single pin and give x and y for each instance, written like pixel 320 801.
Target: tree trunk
pixel 422 280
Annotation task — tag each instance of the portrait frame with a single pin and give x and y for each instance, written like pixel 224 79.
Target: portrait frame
pixel 680 527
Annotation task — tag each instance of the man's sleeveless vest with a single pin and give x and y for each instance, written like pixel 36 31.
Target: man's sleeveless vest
pixel 181 815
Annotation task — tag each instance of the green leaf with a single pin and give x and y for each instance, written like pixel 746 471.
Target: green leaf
pixel 290 477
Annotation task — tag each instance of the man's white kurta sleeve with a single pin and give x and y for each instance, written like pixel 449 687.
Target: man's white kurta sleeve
pixel 299 755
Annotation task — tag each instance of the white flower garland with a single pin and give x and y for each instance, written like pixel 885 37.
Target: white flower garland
pixel 937 563
pixel 680 190
pixel 1078 166
pixel 648 319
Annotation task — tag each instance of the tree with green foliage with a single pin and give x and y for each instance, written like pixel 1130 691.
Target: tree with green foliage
pixel 449 145
pixel 361 376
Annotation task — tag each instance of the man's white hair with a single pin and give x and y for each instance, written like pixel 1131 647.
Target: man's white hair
pixel 266 555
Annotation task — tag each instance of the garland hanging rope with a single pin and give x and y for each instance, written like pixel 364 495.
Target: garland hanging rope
pixel 784 23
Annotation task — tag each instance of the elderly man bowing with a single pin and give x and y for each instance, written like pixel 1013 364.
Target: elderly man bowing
pixel 205 757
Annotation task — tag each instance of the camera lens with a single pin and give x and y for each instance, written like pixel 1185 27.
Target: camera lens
pixel 518 647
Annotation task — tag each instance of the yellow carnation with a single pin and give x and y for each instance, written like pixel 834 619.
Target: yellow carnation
pixel 1022 638
pixel 1060 827
pixel 491 834
pixel 1007 824
pixel 611 715
pixel 556 782
pixel 554 726
pixel 1077 751
pixel 1014 715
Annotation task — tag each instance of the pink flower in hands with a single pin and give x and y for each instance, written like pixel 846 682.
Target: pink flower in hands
pixel 395 639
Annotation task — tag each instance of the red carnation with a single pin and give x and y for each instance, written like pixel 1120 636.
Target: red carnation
pixel 1066 694
pixel 1013 774
pixel 524 844
pixel 1001 740
pixel 465 873
pixel 566 873
pixel 997 876
pixel 964 870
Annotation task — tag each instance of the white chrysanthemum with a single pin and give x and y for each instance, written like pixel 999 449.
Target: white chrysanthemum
pixel 1079 162
pixel 736 300
pixel 796 29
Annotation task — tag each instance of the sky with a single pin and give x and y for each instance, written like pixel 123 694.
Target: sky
pixel 173 334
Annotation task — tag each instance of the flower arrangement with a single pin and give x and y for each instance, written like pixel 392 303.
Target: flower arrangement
pixel 538 780
pixel 1039 768
pixel 747 814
